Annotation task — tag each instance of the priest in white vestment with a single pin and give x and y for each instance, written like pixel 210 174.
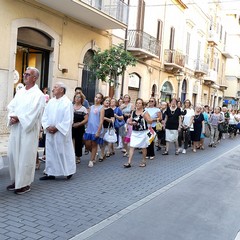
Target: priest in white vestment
pixel 57 121
pixel 24 119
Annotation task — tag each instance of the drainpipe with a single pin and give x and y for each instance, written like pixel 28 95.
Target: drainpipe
pixel 125 48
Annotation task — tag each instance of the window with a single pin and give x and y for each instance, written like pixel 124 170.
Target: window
pixel 188 47
pixel 141 13
pixel 172 35
pixel 159 30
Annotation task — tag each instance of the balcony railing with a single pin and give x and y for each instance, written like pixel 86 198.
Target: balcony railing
pixel 212 38
pixel 211 76
pixel 141 40
pixel 174 57
pixel 114 8
pixel 227 52
pixel 201 67
pixel 101 14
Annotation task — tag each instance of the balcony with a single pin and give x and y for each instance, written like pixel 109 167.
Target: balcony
pixel 201 68
pixel 211 77
pixel 142 45
pixel 173 60
pixel 223 86
pixel 212 39
pixel 226 52
pixel 101 14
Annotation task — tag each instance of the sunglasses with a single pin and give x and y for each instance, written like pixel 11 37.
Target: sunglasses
pixel 27 75
pixel 151 100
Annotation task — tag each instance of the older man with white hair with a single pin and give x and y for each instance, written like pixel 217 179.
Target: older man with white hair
pixel 57 121
pixel 24 119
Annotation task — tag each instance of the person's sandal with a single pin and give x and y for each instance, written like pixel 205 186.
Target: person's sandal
pixel 125 154
pixel 165 153
pixel 142 165
pixel 102 158
pixel 127 165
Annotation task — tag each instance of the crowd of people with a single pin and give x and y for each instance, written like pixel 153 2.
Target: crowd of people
pixel 107 125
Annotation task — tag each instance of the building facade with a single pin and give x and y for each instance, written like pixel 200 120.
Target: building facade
pixel 57 37
pixel 182 51
pixel 232 93
pixel 183 48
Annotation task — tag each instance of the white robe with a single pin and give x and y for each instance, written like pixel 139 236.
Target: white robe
pixel 28 106
pixel 60 155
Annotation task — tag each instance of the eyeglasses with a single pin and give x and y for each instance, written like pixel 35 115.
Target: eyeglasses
pixel 27 75
pixel 78 97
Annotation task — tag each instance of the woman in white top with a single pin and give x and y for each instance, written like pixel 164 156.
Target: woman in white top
pixel 184 134
pixel 156 116
pixel 126 108
pixel 232 129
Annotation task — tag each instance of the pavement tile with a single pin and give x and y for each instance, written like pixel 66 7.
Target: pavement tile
pixel 2 232
pixel 14 229
pixel 29 223
pixel 13 235
pixel 31 235
pixel 45 229
pixel 30 229
pixel 4 237
pixel 14 224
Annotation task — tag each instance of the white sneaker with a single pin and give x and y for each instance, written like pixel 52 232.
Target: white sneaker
pixel 184 151
pixel 90 164
pixel 180 149
pixel 119 147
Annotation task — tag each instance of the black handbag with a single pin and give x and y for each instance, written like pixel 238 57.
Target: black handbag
pixel 220 127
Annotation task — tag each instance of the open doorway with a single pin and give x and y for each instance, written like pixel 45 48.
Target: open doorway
pixel 33 50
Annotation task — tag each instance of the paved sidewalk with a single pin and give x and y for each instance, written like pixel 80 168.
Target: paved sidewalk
pixel 62 209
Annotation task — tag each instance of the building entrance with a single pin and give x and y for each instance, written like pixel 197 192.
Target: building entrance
pixel 33 50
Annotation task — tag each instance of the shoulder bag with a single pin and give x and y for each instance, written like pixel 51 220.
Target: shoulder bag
pixel 110 136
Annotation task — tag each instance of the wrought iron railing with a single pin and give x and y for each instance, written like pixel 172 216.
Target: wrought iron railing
pixel 142 40
pixel 114 8
pixel 201 66
pixel 211 75
pixel 174 57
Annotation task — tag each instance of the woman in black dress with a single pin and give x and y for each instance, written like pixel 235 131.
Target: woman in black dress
pixel 107 123
pixel 198 126
pixel 173 121
pixel 79 121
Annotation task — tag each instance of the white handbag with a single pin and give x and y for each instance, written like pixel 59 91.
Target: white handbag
pixel 110 136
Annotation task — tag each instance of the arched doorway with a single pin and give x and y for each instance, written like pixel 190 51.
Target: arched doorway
pixel 184 90
pixel 88 77
pixel 166 92
pixel 33 50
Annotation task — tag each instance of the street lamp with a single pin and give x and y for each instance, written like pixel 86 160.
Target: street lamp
pixel 179 76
